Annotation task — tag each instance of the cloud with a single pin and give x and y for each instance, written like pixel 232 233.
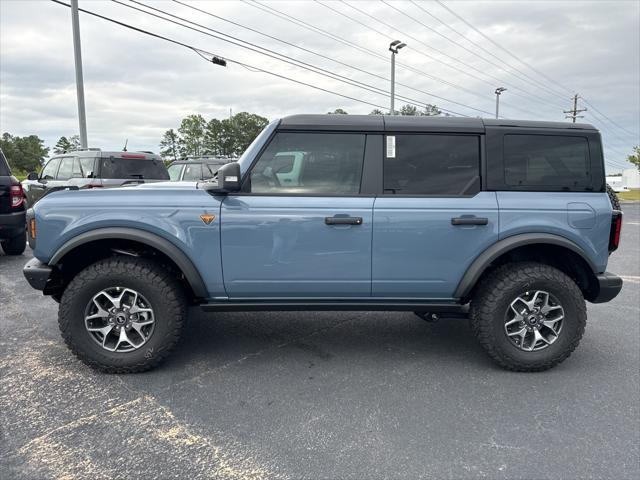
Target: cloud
pixel 137 86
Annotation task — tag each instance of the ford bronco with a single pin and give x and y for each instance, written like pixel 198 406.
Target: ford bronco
pixel 507 222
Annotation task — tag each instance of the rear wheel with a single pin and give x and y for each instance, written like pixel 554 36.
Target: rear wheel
pixel 122 314
pixel 15 245
pixel 528 316
pixel 613 197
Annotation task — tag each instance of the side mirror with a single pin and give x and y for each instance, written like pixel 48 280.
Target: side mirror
pixel 33 176
pixel 228 180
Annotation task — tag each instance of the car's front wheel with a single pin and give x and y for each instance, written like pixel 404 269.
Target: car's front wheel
pixel 528 316
pixel 122 314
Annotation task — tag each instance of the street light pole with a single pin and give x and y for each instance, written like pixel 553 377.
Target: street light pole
pixel 82 119
pixel 499 90
pixel 393 48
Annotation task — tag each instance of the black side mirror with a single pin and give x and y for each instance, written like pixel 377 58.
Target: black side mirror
pixel 33 176
pixel 228 180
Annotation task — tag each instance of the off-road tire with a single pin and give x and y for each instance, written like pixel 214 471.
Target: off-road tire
pixel 159 286
pixel 613 197
pixel 492 299
pixel 15 245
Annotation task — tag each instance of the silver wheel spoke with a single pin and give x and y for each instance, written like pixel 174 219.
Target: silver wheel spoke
pixel 541 317
pixel 114 314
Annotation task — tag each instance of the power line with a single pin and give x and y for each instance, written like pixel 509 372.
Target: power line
pixel 286 59
pixel 200 52
pixel 466 22
pixel 635 135
pixel 417 40
pixel 475 54
pixel 316 53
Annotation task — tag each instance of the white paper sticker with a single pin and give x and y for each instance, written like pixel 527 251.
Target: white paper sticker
pixel 231 179
pixel 391 147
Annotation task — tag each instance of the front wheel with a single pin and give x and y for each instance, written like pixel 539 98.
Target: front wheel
pixel 528 316
pixel 122 314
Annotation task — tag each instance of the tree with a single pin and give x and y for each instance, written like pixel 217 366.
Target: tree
pixel 409 110
pixel 25 154
pixel 245 127
pixel 338 111
pixel 169 149
pixel 192 131
pixel 65 144
pixel 376 111
pixel 635 157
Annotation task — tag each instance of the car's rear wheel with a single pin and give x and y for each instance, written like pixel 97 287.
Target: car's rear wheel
pixel 528 316
pixel 122 314
pixel 15 245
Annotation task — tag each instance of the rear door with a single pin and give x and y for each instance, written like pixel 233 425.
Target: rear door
pixel 308 238
pixel 432 220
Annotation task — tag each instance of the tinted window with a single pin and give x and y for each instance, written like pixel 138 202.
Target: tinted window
pixel 432 165
pixel 115 167
pixel 49 170
pixel 312 163
pixel 192 172
pixel 546 160
pixel 174 171
pixel 4 166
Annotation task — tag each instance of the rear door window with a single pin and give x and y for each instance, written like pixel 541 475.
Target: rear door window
pixel 430 164
pixel 87 166
pixel 133 168
pixel 546 161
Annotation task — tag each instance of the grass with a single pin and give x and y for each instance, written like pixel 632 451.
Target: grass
pixel 633 195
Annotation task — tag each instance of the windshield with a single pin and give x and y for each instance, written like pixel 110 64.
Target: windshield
pixel 253 149
pixel 151 169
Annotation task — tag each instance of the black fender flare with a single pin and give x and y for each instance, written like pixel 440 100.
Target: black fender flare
pixel 183 262
pixel 480 264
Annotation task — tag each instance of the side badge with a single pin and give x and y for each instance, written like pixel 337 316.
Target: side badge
pixel 207 218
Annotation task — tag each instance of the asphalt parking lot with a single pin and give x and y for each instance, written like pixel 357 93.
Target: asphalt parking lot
pixel 322 395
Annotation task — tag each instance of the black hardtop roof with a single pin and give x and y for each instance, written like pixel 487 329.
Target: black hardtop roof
pixel 381 123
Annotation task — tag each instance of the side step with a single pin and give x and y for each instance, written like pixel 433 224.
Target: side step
pixel 331 305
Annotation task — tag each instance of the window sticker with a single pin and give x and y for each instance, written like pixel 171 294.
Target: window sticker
pixel 391 147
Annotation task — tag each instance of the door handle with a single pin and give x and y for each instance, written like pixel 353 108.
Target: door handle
pixel 343 220
pixel 469 221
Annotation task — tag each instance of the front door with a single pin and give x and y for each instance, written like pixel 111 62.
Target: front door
pixel 432 219
pixel 300 228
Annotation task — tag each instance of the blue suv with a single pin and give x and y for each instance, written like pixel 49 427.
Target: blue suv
pixel 507 222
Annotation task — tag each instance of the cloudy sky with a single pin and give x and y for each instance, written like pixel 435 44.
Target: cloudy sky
pixel 137 86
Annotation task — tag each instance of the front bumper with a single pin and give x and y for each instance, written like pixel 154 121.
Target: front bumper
pixel 609 287
pixel 37 273
pixel 12 224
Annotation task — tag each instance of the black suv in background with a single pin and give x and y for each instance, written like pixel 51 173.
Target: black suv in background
pixel 196 169
pixel 94 169
pixel 13 236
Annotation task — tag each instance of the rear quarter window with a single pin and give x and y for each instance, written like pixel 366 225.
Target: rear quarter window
pixel 133 168
pixel 546 161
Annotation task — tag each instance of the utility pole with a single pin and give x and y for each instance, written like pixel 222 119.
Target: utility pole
pixel 499 90
pixel 82 119
pixel 393 48
pixel 573 114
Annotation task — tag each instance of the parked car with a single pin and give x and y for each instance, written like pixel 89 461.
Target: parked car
pixel 94 169
pixel 12 211
pixel 509 220
pixel 195 170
